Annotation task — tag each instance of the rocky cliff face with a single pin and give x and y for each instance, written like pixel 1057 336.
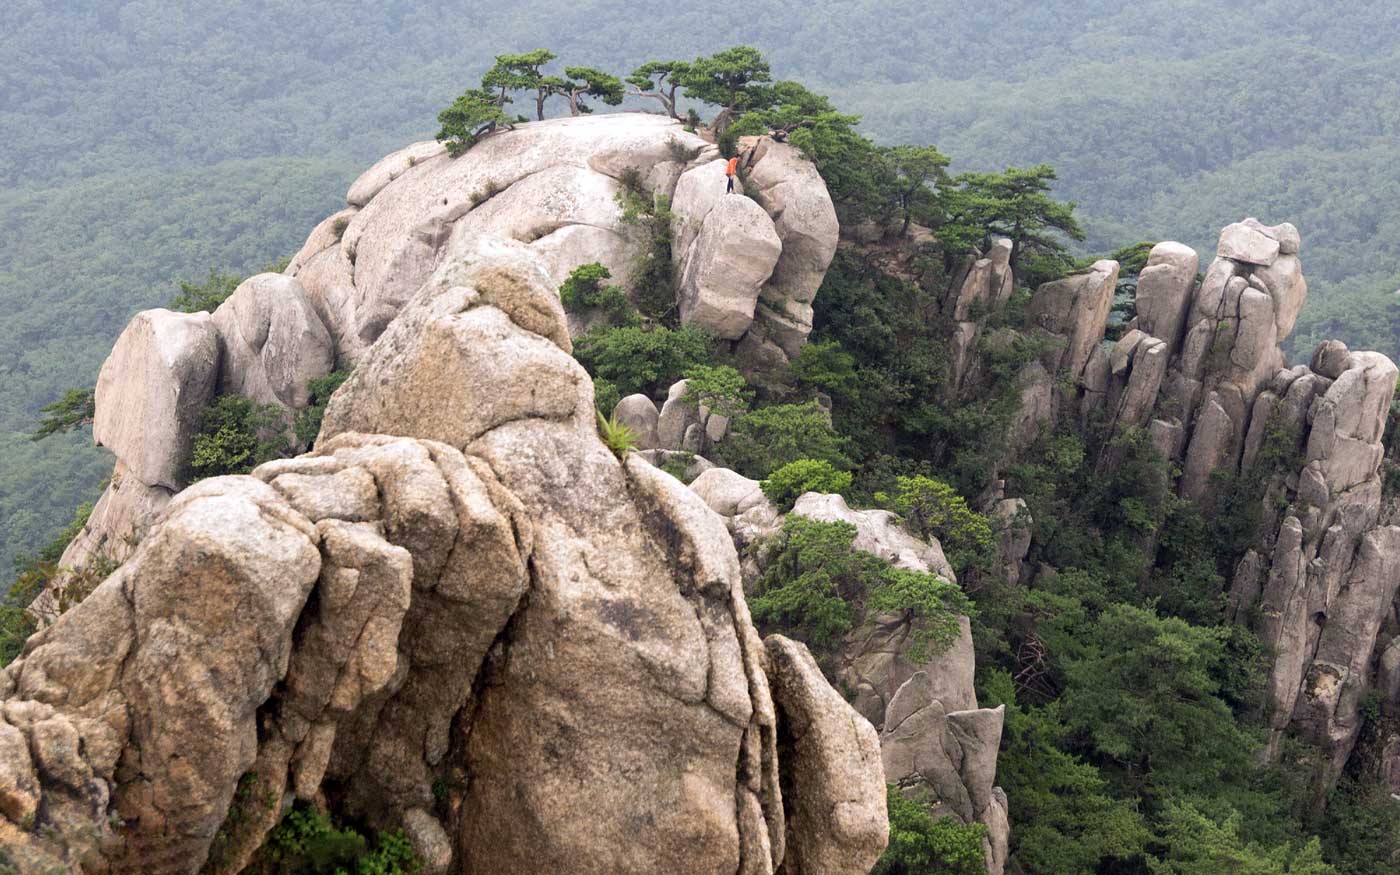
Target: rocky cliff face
pixel 460 615
pixel 934 739
pixel 1200 367
pixel 746 273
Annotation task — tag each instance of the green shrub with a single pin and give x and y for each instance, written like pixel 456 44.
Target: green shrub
pixel 930 599
pixel 618 436
pixel 235 436
pixel 812 581
pixel 584 290
pixel 74 410
pixel 637 359
pixel 306 842
pixel 816 586
pixel 762 441
pixel 785 485
pixel 653 286
pixel 921 845
pixel 720 388
pixel 933 509
pixel 206 296
pixel 308 421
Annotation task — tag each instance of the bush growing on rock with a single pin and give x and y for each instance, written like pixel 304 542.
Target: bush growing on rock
pixel 205 296
pixel 637 359
pixel 766 439
pixel 813 581
pixel 816 586
pixel 235 436
pixel 306 842
pixel 470 117
pixel 933 509
pixel 584 290
pixel 308 421
pixel 720 388
pixel 921 844
pixel 617 436
pixel 785 485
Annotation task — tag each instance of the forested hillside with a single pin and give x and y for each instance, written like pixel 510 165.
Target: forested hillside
pixel 145 142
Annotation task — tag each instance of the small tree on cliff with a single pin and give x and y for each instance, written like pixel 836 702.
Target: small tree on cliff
pixel 523 72
pixel 913 169
pixel 472 116
pixel 1016 205
pixel 730 79
pixel 659 80
pixel 74 410
pixel 589 82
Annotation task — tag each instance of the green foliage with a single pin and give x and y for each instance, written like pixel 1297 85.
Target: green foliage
pixel 1362 827
pixel 1198 844
pixel 921 845
pixel 1068 820
pixel 33 574
pixel 824 366
pixel 74 410
pixel 659 81
pixel 306 842
pixel 584 290
pixel 1015 204
pixel 235 436
pixel 932 601
pixel 473 115
pixel 1133 257
pixel 590 82
pixel 652 284
pixel 785 485
pixel 763 440
pixel 637 359
pixel 813 580
pixel 1145 692
pixel 729 79
pixel 719 388
pixel 205 296
pixel 816 585
pixel 933 509
pixel 617 436
pixel 308 420
pixel 916 171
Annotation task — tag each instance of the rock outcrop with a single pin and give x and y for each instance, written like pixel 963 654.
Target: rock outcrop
pixel 1201 369
pixel 555 186
pixel 463 615
pixel 934 740
pixel 552 187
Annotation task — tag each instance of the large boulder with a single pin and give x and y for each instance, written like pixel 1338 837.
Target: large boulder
pixel 789 188
pixel 1164 291
pixel 1250 243
pixel 559 187
pixel 836 809
pixel 273 342
pixel 1076 308
pixel 462 612
pixel 530 184
pixel 725 267
pixel 159 376
pixel 639 413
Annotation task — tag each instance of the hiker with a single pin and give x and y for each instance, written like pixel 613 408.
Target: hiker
pixel 730 169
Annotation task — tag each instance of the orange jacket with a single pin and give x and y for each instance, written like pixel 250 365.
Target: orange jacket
pixel 733 167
